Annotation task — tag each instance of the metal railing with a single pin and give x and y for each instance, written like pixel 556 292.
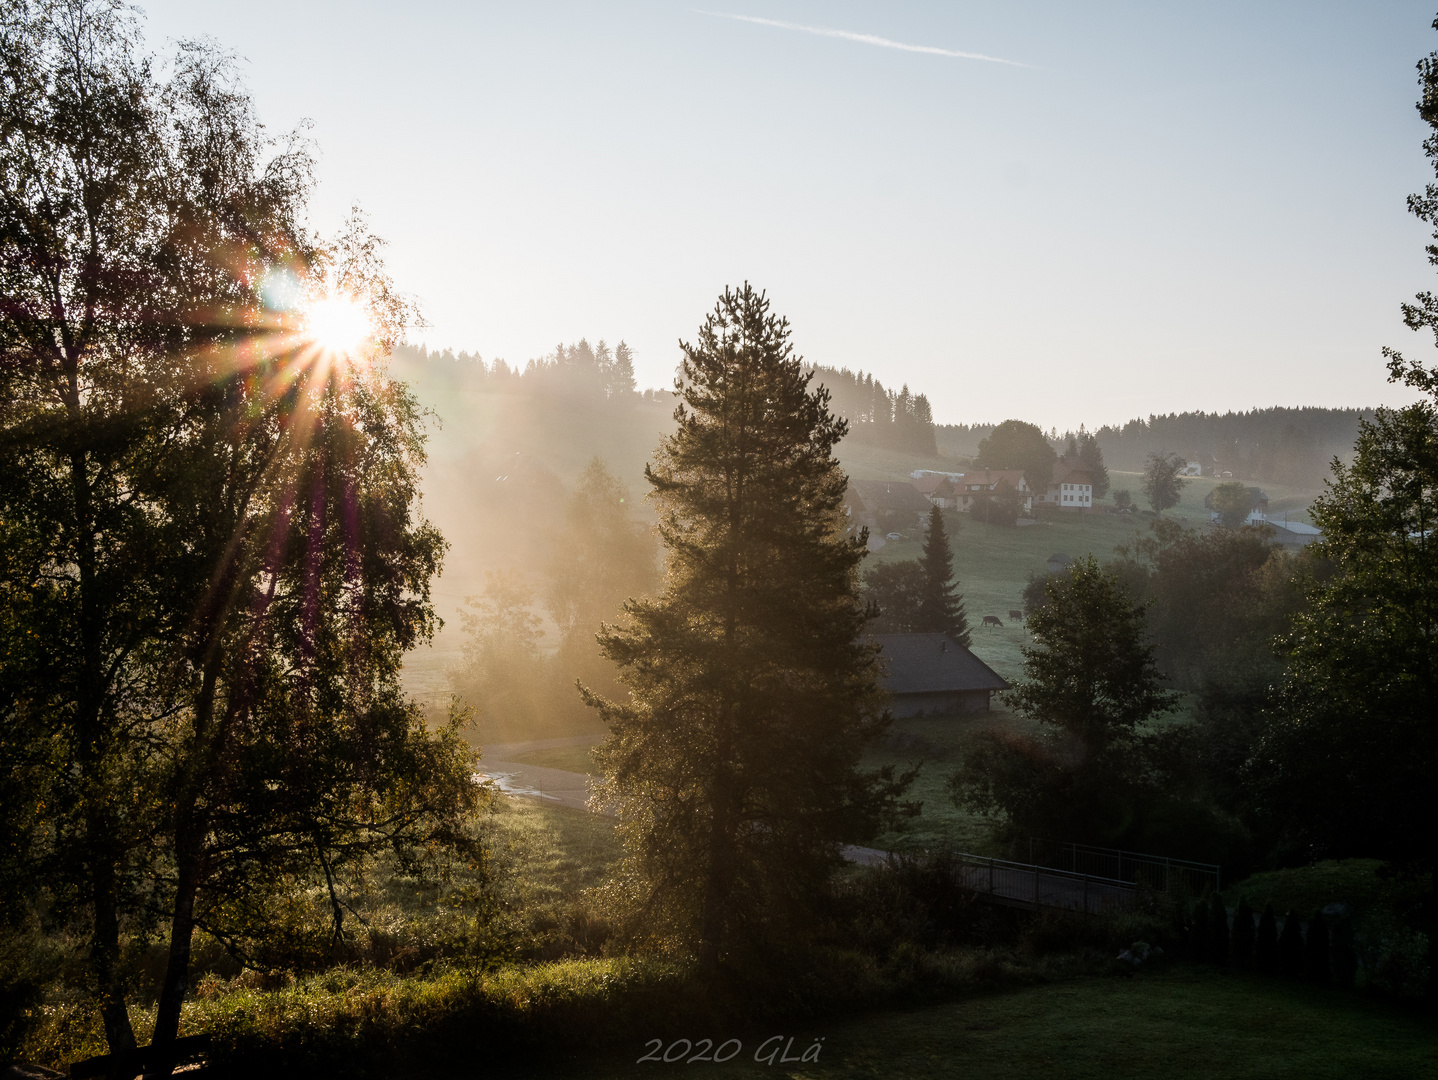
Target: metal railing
pixel 1030 886
pixel 1159 873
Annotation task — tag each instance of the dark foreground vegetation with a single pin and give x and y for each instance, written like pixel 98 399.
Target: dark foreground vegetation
pixel 222 814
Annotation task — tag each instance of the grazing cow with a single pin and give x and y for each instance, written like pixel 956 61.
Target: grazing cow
pixel 1017 616
pixel 992 620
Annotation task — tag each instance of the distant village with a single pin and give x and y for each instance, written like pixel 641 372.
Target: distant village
pixel 890 508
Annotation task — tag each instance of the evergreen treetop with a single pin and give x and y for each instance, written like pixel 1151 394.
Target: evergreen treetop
pixel 941 608
pixel 734 765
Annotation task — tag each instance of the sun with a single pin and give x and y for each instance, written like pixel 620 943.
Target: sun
pixel 338 324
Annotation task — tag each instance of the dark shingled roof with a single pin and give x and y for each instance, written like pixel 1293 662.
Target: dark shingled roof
pixel 932 663
pixel 891 495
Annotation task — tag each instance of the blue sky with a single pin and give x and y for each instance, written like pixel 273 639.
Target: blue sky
pixel 1170 207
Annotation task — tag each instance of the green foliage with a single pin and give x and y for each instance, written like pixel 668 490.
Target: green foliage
pixel 1346 766
pixel 897 590
pixel 1160 480
pixel 1123 499
pixel 941 608
pixel 602 556
pixel 1396 959
pixel 1092 686
pixel 1218 599
pixel 1232 502
pixel 217 525
pixel 1001 508
pixel 734 766
pixel 1015 444
pixel 1090 456
pixel 878 417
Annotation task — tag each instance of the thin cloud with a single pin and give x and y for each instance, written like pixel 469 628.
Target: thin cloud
pixel 864 39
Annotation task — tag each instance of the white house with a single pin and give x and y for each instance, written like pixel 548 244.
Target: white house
pixel 1071 488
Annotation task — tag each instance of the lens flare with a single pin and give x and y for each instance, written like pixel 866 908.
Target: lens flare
pixel 338 324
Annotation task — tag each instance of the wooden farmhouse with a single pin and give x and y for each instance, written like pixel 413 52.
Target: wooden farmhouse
pixel 986 483
pixel 933 675
pixel 883 505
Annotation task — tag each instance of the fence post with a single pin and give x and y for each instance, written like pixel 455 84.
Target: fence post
pixel 1119 875
pixel 1085 894
pixel 1036 888
pixel 991 876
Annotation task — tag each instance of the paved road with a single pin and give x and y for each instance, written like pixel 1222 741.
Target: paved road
pixel 1014 884
pixel 558 786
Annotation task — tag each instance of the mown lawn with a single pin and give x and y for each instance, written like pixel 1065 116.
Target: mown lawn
pixel 1185 1023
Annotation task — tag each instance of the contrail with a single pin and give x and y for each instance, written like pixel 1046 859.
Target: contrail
pixel 863 39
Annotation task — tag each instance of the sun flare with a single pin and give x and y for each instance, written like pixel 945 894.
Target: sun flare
pixel 338 324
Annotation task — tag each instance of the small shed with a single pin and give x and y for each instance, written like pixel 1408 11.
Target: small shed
pixel 933 675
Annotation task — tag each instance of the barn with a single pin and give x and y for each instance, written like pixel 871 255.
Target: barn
pixel 933 675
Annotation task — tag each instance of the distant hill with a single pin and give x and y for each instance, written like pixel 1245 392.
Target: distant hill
pixel 1292 446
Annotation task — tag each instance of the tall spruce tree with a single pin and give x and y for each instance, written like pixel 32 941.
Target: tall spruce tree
pixel 941 610
pixel 734 766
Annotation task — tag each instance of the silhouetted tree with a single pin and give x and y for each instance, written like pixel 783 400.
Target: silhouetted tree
pixel 941 609
pixel 1265 946
pixel 1242 938
pixel 214 518
pixel 1092 686
pixel 1017 445
pixel 1218 936
pixel 1315 950
pixel 734 767
pixel 1347 766
pixel 1290 945
pixel 1232 502
pixel 897 590
pixel 1160 480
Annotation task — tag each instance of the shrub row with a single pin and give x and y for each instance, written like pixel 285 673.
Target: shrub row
pixel 1271 946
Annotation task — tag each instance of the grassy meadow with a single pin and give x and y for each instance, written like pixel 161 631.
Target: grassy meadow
pixel 1185 1022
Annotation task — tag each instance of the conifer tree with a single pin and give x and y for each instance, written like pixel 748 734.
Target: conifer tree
pixel 1265 949
pixel 941 611
pixel 734 766
pixel 1198 931
pixel 1218 931
pixel 1241 941
pixel 1290 945
pixel 1316 950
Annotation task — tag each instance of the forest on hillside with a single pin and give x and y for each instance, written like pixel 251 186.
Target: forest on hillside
pixel 1293 446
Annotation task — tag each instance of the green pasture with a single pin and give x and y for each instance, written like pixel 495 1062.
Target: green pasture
pixel 570 758
pixel 1187 1023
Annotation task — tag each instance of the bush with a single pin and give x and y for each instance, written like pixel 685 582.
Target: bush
pixel 1265 946
pixel 1394 957
pixel 1241 949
